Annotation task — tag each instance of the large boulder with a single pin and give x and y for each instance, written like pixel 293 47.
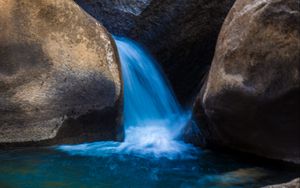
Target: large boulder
pixel 59 75
pixel 180 34
pixel 250 100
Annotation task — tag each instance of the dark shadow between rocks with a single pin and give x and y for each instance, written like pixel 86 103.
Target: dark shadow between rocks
pixel 180 34
pixel 80 115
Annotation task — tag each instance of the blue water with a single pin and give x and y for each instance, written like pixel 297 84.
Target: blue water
pixel 48 168
pixel 147 96
pixel 152 154
pixel 153 119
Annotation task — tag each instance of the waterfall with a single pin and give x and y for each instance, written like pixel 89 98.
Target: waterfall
pixel 153 119
pixel 148 99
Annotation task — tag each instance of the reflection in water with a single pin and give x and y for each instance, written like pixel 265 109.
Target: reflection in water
pixel 48 168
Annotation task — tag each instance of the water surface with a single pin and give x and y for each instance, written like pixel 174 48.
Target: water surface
pixel 49 168
pixel 152 154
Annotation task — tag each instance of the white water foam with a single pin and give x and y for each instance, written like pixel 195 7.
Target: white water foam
pixel 153 119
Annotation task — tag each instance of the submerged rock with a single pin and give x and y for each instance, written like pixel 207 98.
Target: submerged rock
pixel 59 75
pixel 250 100
pixel 180 34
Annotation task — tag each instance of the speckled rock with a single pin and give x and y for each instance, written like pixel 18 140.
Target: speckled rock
pixel 59 75
pixel 180 34
pixel 250 101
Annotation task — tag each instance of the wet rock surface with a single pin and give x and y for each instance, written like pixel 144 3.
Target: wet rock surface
pixel 180 34
pixel 292 184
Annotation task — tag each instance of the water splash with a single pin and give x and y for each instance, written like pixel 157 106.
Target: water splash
pixel 148 99
pixel 153 119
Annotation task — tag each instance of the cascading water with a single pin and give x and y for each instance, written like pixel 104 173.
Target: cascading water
pixel 153 119
pixel 151 154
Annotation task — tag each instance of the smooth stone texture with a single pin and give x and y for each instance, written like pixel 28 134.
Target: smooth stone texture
pixel 250 100
pixel 59 75
pixel 180 34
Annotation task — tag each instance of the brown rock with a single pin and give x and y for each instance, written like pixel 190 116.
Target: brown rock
pixel 59 75
pixel 250 101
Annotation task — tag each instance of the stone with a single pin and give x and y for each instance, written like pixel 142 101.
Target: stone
pixel 181 35
pixel 292 184
pixel 250 100
pixel 60 78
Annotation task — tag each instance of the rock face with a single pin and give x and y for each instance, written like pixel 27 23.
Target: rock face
pixel 180 34
pixel 292 184
pixel 250 101
pixel 59 75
